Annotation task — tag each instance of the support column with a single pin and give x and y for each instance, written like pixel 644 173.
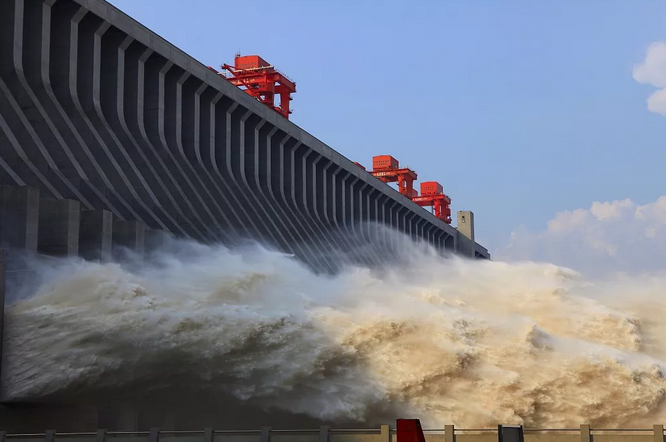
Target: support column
pixel 385 431
pixel 130 234
pixel 465 245
pixel 449 433
pixel 466 223
pixel 265 434
pixel 59 222
pixel 324 433
pixel 96 235
pixel 19 217
pixel 2 306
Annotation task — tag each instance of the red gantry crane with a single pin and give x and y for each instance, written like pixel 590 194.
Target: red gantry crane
pixel 260 80
pixel 432 195
pixel 387 169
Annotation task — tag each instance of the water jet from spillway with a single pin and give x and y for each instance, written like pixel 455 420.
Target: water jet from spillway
pixel 444 339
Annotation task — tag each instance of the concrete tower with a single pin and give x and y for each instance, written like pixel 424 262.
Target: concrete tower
pixel 466 223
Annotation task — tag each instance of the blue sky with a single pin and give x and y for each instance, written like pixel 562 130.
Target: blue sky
pixel 521 109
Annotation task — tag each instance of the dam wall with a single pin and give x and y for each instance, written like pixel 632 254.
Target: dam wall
pixel 100 111
pixel 113 139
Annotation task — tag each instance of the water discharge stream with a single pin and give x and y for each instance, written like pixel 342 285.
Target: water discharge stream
pixel 443 339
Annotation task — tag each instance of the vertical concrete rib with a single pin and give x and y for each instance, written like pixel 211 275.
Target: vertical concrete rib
pixel 205 99
pixel 167 114
pixel 316 184
pixel 303 189
pixel 249 127
pixel 233 157
pixel 208 146
pixel 80 78
pixel 42 127
pixel 220 145
pixel 347 215
pixel 262 171
pixel 338 213
pixel 263 180
pixel 284 160
pixel 294 187
pixel 55 62
pixel 116 104
pixel 107 80
pixel 361 216
pixel 325 199
pixel 276 170
pixel 187 107
pixel 28 156
pixel 136 119
pixel 152 71
pixel 329 185
pixel 70 140
pixel 185 110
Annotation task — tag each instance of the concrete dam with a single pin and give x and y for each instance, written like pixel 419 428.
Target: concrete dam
pixel 111 136
pixel 118 133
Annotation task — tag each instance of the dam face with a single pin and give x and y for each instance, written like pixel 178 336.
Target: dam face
pixel 111 136
pixel 140 137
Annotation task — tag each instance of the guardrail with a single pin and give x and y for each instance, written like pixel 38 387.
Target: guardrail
pixel 326 434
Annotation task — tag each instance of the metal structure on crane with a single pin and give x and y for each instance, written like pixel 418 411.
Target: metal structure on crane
pixel 387 169
pixel 432 195
pixel 260 80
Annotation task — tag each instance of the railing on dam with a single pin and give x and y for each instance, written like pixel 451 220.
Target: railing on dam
pixel 326 434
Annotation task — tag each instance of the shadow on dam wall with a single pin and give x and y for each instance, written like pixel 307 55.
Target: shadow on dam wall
pixel 169 410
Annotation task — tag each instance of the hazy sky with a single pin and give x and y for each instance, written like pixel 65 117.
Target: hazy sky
pixel 521 109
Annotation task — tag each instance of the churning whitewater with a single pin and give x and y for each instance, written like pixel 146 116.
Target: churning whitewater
pixel 444 339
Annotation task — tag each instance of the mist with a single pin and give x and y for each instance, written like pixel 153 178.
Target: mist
pixel 472 343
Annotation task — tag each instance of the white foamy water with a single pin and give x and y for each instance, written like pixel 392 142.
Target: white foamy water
pixel 446 340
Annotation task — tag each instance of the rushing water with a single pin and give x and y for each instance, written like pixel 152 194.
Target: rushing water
pixel 443 339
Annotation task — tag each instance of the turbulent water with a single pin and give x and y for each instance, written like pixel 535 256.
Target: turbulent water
pixel 443 339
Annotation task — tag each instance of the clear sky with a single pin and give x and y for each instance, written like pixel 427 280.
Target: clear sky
pixel 521 109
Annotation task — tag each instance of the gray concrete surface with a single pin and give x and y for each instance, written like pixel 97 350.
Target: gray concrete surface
pixel 59 222
pixel 466 223
pixel 19 217
pixel 3 280
pixel 96 235
pixel 97 109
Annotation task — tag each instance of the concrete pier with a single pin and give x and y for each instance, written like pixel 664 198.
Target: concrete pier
pixel 3 285
pixel 19 217
pixel 59 227
pixel 130 235
pixel 96 235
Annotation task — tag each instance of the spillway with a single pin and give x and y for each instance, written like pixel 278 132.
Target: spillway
pixel 112 137
pixel 101 116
